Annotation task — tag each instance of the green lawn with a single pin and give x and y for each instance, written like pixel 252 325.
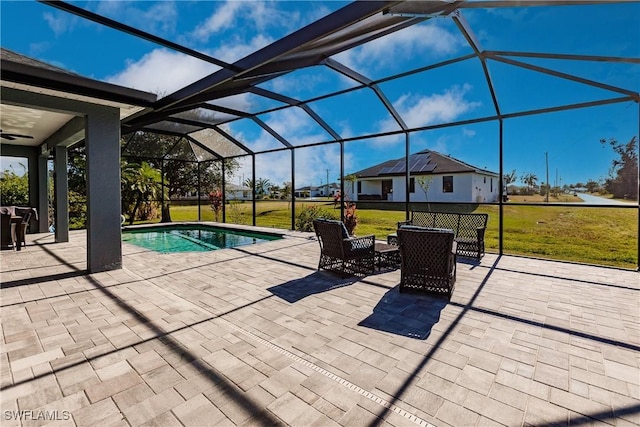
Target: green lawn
pixel 603 236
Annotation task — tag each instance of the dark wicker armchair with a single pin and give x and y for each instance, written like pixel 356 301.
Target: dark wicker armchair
pixel 341 253
pixel 5 230
pixel 428 260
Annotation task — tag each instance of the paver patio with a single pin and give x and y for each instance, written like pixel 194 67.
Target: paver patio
pixel 257 336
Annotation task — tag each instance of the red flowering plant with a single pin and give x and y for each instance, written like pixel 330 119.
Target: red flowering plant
pixel 215 198
pixel 350 217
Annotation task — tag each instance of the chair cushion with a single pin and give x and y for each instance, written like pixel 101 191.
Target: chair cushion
pixel 345 233
pixel 420 228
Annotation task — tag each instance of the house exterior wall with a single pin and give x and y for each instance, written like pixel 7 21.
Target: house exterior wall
pixel 467 188
pixel 370 186
pixel 239 195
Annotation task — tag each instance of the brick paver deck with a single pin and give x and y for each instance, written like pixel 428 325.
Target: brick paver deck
pixel 257 336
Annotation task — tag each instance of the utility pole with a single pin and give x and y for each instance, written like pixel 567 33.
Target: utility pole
pixel 327 182
pixel 546 156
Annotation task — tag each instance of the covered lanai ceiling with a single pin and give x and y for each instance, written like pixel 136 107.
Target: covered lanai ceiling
pixel 207 115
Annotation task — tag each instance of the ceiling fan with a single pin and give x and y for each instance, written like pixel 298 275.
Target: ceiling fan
pixel 13 136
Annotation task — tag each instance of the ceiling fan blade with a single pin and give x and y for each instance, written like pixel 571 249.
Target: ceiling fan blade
pixel 13 136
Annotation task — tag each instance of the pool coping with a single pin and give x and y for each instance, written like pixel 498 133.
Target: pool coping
pixel 275 232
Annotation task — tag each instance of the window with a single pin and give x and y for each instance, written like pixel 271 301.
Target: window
pixel 447 184
pixel 359 187
pixel 491 185
pixel 412 185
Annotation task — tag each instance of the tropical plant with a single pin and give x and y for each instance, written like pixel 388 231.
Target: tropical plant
pixel 286 193
pixel 141 184
pixel 262 186
pixel 350 217
pixel 274 191
pixel 249 183
pixel 215 198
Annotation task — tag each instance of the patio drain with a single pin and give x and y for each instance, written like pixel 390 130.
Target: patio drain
pixel 419 421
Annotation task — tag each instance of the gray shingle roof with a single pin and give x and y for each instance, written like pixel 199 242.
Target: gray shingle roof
pixel 9 55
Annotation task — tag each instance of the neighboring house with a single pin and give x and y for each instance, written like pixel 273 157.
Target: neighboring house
pixel 237 192
pixel 321 191
pixel 448 180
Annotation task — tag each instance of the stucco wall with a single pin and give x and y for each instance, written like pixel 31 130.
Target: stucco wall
pixel 467 188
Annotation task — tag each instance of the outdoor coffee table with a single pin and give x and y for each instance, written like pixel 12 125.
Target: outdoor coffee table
pixel 387 255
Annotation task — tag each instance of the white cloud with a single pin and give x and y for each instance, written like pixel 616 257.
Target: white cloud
pixel 245 16
pixel 418 111
pixel 311 166
pixel 236 49
pixel 59 22
pixel 223 18
pixel 157 18
pixel 162 71
pixel 428 39
pixel 239 102
pixel 468 132
pixel 296 126
pixel 311 162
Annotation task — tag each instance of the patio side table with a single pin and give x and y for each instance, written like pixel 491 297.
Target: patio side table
pixel 387 255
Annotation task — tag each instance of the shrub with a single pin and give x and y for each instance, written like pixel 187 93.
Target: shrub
pixel 235 215
pixel 304 220
pixel 14 189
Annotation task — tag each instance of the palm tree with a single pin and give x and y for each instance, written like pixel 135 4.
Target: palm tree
pixel 140 183
pixel 262 186
pixel 286 192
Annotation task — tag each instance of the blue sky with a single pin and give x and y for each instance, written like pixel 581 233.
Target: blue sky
pixel 231 30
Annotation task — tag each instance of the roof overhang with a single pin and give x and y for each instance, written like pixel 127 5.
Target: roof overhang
pixel 39 123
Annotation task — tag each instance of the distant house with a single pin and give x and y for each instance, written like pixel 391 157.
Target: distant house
pixel 320 191
pixel 446 180
pixel 237 192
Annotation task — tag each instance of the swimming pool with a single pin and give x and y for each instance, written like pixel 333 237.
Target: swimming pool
pixel 192 238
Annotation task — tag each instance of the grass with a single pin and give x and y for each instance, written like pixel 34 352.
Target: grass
pixel 602 236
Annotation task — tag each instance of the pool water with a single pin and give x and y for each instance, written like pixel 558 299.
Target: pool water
pixel 187 238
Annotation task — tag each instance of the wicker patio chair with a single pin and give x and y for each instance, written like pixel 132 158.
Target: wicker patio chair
pixel 22 229
pixel 5 230
pixel 428 259
pixel 341 253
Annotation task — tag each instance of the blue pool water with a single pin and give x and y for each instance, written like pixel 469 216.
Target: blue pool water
pixel 192 238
